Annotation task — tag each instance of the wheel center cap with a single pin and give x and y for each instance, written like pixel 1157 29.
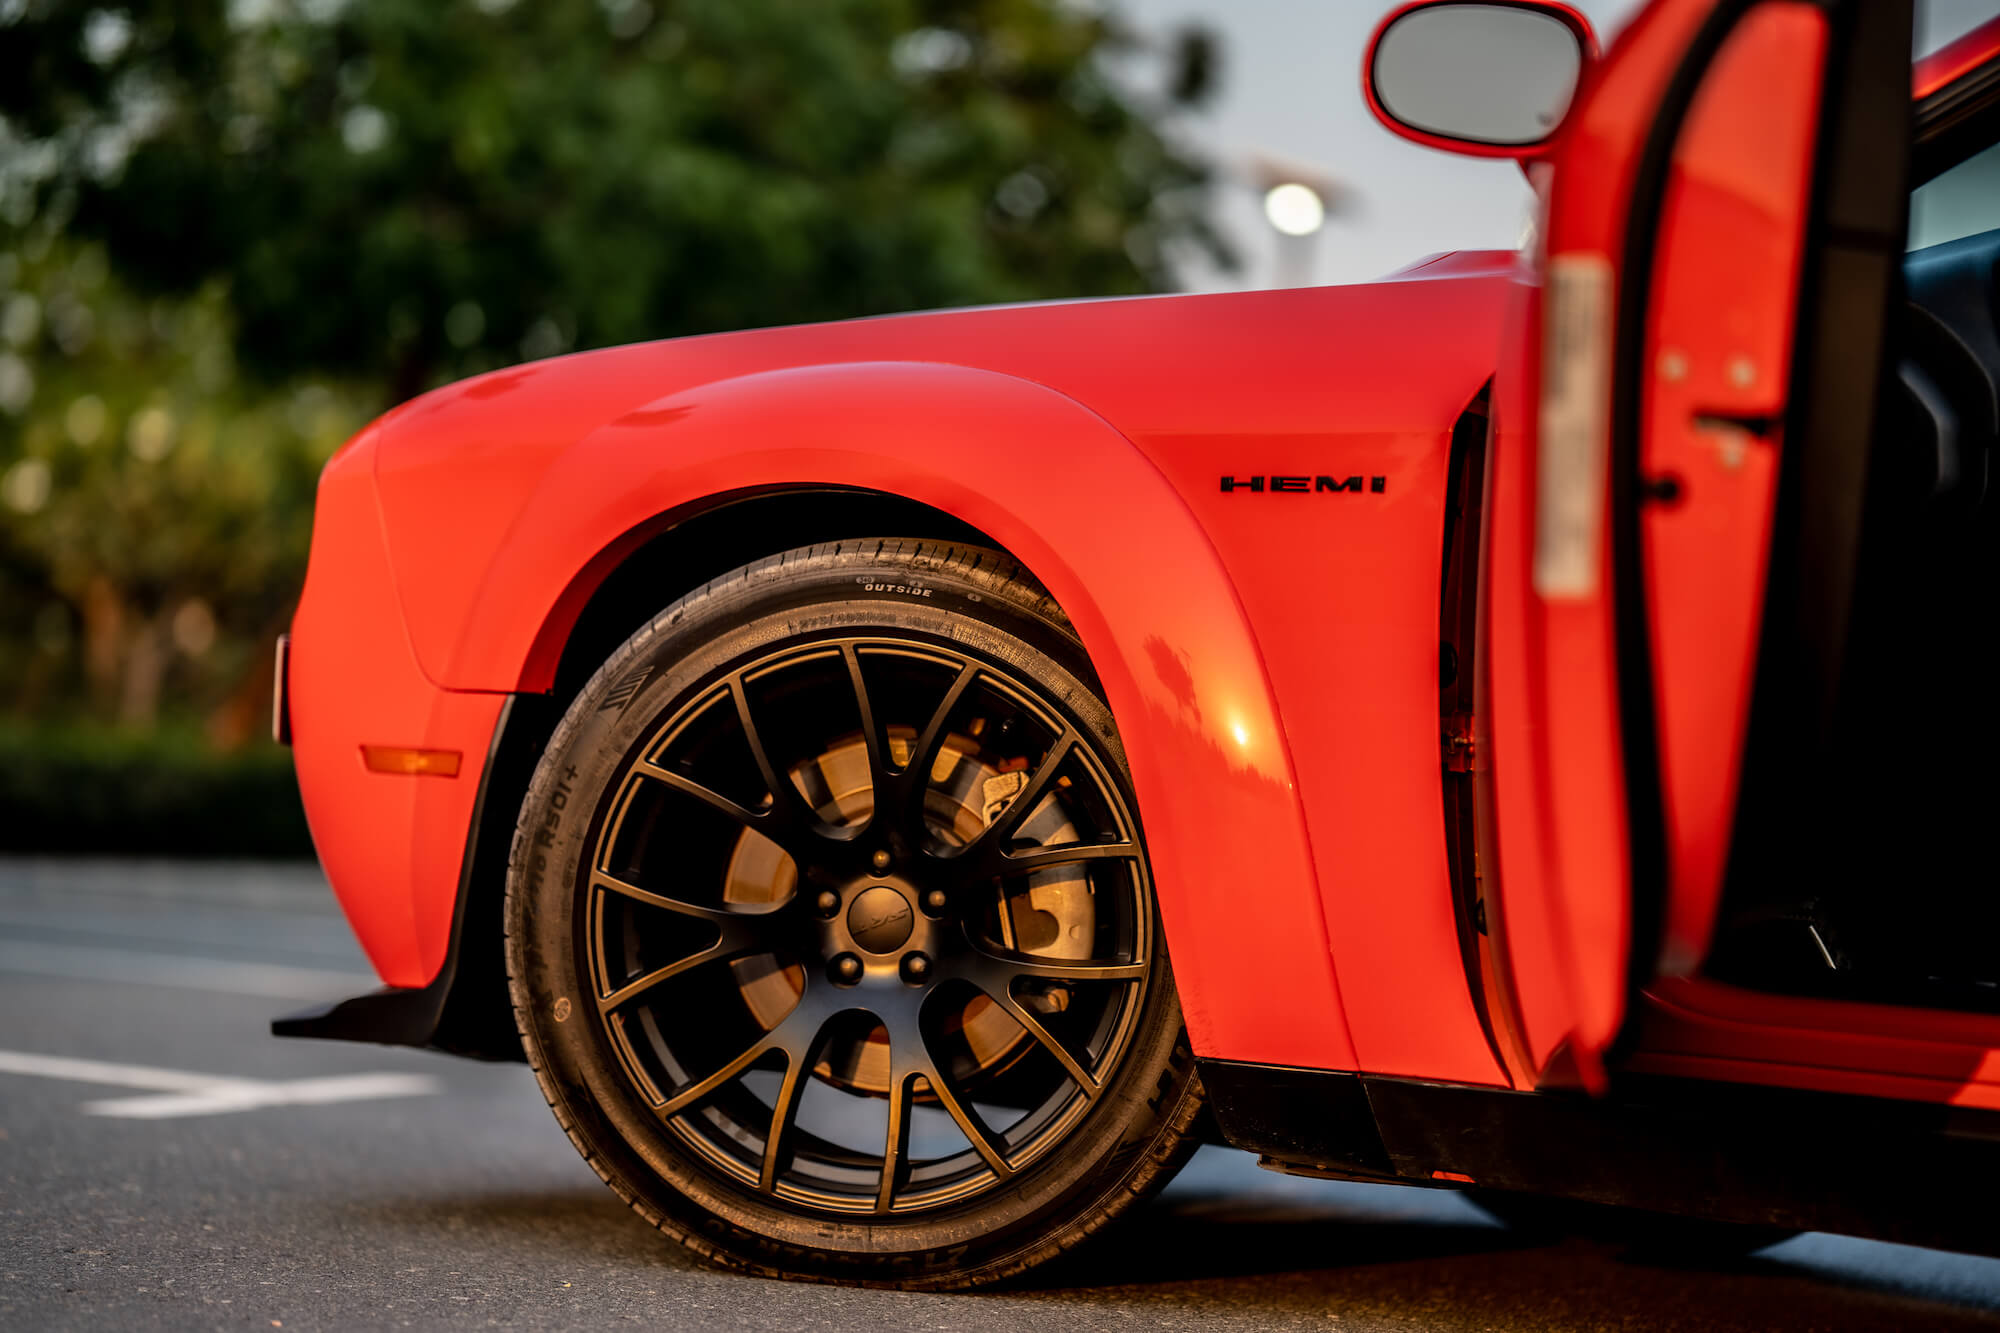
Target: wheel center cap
pixel 880 920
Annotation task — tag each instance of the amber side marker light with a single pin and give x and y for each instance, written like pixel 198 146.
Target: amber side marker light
pixel 402 759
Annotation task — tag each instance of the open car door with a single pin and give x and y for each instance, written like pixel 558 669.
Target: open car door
pixel 1683 432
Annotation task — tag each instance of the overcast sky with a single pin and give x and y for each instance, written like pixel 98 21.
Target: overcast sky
pixel 1291 90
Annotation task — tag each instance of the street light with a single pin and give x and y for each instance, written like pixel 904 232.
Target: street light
pixel 1298 199
pixel 1294 208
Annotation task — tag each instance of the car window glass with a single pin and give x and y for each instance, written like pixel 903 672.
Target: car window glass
pixel 1964 201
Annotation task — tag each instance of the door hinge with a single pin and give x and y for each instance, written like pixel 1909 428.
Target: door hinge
pixel 1457 743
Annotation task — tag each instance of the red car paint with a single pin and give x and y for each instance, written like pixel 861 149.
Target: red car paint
pixel 1721 335
pixel 1276 653
pixel 1956 59
pixel 1723 284
pixel 1271 654
pixel 1723 303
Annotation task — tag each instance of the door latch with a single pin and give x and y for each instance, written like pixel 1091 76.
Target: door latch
pixel 1457 743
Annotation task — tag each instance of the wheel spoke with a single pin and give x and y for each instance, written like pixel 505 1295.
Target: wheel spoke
pixel 785 1113
pixel 629 991
pixel 878 758
pixel 792 1033
pixel 915 776
pixel 786 804
pixel 708 796
pixel 701 1089
pixel 1048 858
pixel 983 1140
pixel 1032 1025
pixel 999 964
pixel 991 844
pixel 896 1146
pixel 732 922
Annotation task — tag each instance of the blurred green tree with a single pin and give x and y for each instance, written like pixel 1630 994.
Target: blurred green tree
pixel 232 229
pixel 405 191
pixel 154 506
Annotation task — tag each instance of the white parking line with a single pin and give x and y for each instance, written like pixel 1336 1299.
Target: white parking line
pixel 89 962
pixel 181 1093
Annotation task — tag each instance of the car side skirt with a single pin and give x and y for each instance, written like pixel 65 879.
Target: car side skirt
pixel 1890 1170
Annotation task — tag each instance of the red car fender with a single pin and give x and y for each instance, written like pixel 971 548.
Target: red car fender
pixel 391 843
pixel 1116 545
pixel 1088 437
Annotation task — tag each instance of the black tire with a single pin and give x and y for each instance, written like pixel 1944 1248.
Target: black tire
pixel 641 763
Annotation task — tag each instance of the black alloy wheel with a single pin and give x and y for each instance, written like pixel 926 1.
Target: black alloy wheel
pixel 831 929
pixel 868 933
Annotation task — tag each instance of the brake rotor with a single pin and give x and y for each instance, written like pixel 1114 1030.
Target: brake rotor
pixel 1051 913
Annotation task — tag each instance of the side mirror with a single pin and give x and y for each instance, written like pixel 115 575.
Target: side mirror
pixel 1491 79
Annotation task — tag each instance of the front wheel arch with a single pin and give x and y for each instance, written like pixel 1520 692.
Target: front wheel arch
pixel 1096 520
pixel 673 553
pixel 656 563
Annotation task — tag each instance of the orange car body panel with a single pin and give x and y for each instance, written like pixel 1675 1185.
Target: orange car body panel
pixel 1719 347
pixel 1699 1028
pixel 1724 283
pixel 1271 654
pixel 1549 717
pixel 390 844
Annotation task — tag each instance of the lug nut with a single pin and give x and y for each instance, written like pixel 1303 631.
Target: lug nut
pixel 828 902
pixel 936 901
pixel 881 859
pixel 846 969
pixel 916 968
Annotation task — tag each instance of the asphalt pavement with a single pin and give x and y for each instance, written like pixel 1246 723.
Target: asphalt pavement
pixel 166 1164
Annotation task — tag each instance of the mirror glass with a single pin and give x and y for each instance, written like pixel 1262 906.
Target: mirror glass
pixel 1485 74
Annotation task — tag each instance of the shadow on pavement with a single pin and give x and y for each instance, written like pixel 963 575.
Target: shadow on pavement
pixel 1202 1256
pixel 1450 1275
pixel 1164 1245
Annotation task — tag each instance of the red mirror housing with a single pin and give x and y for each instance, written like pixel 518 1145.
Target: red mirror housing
pixel 1482 78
